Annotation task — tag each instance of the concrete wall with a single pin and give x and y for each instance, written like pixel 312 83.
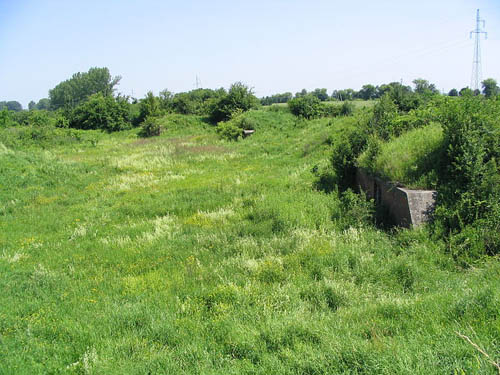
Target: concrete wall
pixel 406 207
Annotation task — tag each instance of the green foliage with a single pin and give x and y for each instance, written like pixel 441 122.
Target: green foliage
pixel 490 87
pixel 410 159
pixel 343 95
pixel 195 102
pixel 150 106
pixel 43 104
pixel 347 108
pixel 321 94
pixel 233 129
pixel 239 98
pixel 202 257
pixel 101 112
pixel 469 178
pixel 345 151
pixel 355 210
pixel 5 120
pixel 150 127
pixel 11 106
pixel 307 107
pixel 277 98
pixel 423 87
pixel 367 92
pixel 384 114
pixel 76 90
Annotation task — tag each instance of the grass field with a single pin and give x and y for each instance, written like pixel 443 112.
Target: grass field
pixel 185 254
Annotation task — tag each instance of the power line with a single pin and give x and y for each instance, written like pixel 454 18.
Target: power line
pixel 476 62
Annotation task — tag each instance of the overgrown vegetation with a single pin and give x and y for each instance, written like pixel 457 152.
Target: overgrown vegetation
pixel 187 253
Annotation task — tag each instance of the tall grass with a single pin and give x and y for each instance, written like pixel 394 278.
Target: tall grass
pixel 411 159
pixel 187 254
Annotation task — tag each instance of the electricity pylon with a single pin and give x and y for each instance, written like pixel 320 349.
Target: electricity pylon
pixel 476 62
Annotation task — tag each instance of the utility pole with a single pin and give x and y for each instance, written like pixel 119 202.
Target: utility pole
pixel 476 62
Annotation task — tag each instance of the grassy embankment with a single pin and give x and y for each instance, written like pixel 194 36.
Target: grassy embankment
pixel 410 159
pixel 188 254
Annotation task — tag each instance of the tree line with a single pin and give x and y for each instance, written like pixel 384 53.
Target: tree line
pixel 87 100
pixel 371 92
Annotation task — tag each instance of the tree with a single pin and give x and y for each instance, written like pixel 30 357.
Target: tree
pixel 101 112
pixel 321 94
pixel 239 98
pixel 302 93
pixel 70 93
pixel 347 94
pixel 43 103
pixel 31 105
pixel 12 105
pixel 277 98
pixel 367 92
pixel 150 106
pixel 465 91
pixel 490 87
pixel 423 86
pixel 453 92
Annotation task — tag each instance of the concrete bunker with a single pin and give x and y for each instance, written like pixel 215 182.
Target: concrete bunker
pixel 407 207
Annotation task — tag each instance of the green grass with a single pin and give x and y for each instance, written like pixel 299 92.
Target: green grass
pixel 410 159
pixel 187 254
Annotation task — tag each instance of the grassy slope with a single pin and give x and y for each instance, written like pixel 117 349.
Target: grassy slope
pixel 187 254
pixel 410 159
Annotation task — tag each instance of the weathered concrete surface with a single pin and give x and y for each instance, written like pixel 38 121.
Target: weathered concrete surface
pixel 405 206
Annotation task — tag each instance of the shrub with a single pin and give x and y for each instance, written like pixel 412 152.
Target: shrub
pixel 469 179
pixel 101 112
pixel 150 127
pixel 5 119
pixel 239 98
pixel 384 114
pixel 195 102
pixel 229 131
pixel 345 152
pixel 233 129
pixel 355 210
pixel 308 107
pixel 347 109
pixel 330 110
pixel 148 107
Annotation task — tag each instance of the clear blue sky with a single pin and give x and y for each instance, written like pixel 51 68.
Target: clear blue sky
pixel 273 46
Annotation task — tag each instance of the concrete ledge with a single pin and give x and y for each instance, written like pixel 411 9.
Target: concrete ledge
pixel 408 208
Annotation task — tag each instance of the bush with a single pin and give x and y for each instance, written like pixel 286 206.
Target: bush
pixel 195 102
pixel 148 107
pixel 355 210
pixel 5 119
pixel 347 109
pixel 469 178
pixel 150 127
pixel 384 114
pixel 346 150
pixel 308 107
pixel 239 98
pixel 233 128
pixel 330 110
pixel 101 112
